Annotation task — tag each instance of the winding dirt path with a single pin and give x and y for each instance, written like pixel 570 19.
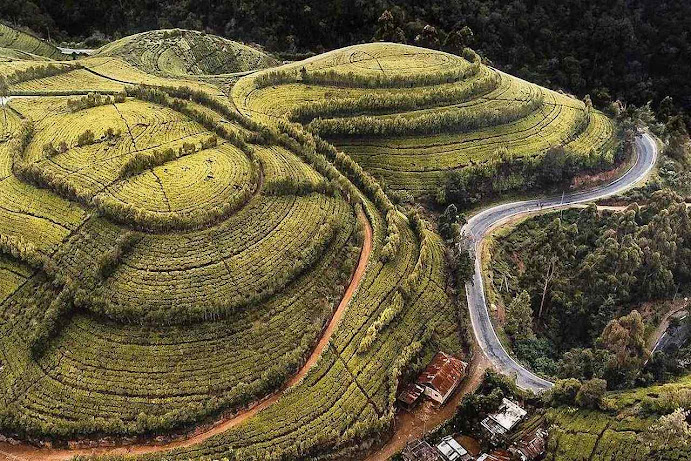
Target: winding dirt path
pixel 25 452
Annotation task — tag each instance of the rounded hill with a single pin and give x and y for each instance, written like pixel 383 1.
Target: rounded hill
pixel 185 52
pixel 415 117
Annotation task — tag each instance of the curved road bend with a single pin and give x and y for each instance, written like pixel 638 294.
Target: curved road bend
pixel 481 224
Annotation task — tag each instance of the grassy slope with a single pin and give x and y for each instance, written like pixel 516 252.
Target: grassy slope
pixel 26 43
pixel 418 163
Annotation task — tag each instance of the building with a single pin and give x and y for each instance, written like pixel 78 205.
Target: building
pixel 420 450
pixel 496 455
pixel 451 450
pixel 500 423
pixel 442 376
pixel 531 446
pixel 410 395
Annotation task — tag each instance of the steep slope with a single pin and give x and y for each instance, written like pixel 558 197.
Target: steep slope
pixel 27 43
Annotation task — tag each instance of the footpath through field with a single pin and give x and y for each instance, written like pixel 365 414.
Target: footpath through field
pixel 26 452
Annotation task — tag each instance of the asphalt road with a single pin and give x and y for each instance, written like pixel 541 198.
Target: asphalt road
pixel 482 223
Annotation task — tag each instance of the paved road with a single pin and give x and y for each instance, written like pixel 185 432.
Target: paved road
pixel 86 51
pixel 482 223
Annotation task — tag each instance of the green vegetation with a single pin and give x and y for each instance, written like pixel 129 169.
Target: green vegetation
pixel 434 124
pixel 178 52
pixel 27 44
pixel 581 277
pixel 167 259
pixel 645 423
pixel 175 239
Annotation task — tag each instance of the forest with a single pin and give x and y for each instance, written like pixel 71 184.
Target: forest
pixel 572 308
pixel 635 50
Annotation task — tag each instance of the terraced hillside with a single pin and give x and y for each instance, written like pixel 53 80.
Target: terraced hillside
pixel 168 260
pixel 624 433
pixel 177 52
pixel 27 45
pixel 412 116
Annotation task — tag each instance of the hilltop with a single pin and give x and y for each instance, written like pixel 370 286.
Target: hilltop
pixel 434 124
pixel 178 52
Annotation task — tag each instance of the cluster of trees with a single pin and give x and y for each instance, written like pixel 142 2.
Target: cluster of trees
pixel 460 262
pixel 36 72
pixel 581 271
pixel 392 239
pixel 86 138
pixel 95 100
pixel 145 160
pixel 502 173
pixel 49 149
pixel 453 120
pixel 413 280
pixel 297 186
pixel 380 103
pixel 586 394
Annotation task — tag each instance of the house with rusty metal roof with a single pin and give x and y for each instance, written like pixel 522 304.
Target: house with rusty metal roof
pixel 442 376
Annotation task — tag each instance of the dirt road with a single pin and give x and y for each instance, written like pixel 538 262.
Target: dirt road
pixel 25 452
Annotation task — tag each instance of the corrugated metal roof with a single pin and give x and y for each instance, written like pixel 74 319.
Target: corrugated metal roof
pixel 411 393
pixel 443 373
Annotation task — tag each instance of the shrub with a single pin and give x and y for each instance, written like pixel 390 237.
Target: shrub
pixel 86 138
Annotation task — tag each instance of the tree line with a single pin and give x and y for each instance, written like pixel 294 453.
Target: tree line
pixel 38 72
pixel 94 100
pixel 382 103
pixel 456 120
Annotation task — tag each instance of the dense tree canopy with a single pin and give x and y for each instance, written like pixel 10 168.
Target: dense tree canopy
pixel 583 275
pixel 638 49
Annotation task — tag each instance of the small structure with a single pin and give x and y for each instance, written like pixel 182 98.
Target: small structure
pixel 500 423
pixel 496 455
pixel 531 446
pixel 442 376
pixel 410 395
pixel 420 450
pixel 451 450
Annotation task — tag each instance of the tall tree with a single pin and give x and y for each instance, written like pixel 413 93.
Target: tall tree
pixel 519 318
